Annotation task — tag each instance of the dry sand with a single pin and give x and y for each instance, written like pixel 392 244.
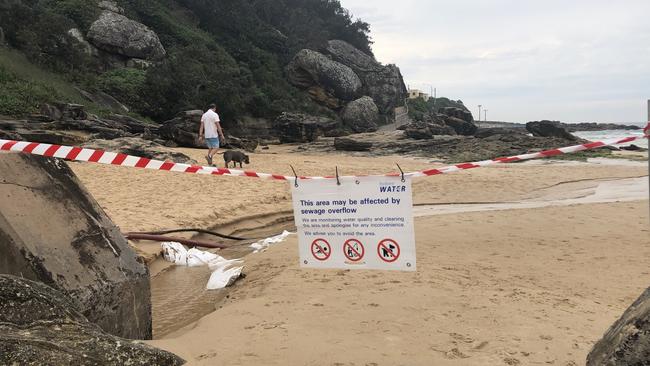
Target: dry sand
pixel 507 287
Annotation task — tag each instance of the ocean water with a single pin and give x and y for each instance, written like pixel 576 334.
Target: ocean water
pixel 613 134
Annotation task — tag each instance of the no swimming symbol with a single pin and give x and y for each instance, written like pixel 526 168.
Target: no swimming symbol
pixel 353 250
pixel 321 249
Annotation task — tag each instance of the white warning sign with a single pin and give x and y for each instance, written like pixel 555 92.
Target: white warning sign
pixel 363 223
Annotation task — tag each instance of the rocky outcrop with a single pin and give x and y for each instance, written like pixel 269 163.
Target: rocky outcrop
pixel 69 124
pixel 459 113
pixel 462 127
pixel 549 129
pixel 58 235
pixel 297 127
pixel 348 144
pixel 384 84
pixel 627 341
pixel 310 69
pixel 117 34
pixel 41 326
pixel 110 6
pixel 104 100
pixel 421 130
pixel 139 147
pixel 361 115
pixel 183 129
pixel 82 43
pixel 587 126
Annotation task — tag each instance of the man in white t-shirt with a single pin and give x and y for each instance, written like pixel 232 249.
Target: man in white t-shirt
pixel 211 131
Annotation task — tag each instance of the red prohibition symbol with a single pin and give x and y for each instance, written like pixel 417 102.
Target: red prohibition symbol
pixel 388 250
pixel 353 250
pixel 321 249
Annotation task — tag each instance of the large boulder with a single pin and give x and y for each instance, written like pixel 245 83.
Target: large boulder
pixel 460 113
pixel 310 68
pixel 627 341
pixel 52 231
pixel 41 326
pixel 461 126
pixel 549 129
pixel 297 127
pixel 117 34
pixel 361 115
pixel 384 84
pixel 183 129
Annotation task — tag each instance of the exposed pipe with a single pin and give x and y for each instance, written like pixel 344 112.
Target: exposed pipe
pixel 160 238
pixel 202 231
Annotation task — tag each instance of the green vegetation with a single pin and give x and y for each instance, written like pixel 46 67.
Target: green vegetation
pixel 19 95
pixel 230 51
pixel 418 107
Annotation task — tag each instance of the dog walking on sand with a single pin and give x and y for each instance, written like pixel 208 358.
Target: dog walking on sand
pixel 211 131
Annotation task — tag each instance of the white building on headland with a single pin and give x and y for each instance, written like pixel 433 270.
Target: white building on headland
pixel 416 93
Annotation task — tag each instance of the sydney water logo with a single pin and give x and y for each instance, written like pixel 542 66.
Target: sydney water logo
pixel 390 188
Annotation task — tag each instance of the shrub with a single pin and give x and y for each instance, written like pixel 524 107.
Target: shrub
pixel 19 96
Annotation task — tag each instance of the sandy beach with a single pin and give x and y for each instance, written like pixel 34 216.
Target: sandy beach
pixel 519 264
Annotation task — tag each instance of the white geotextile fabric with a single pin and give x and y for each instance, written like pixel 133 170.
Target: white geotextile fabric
pixel 224 271
pixel 262 245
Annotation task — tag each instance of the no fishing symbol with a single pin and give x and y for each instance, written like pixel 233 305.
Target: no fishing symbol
pixel 321 249
pixel 388 250
pixel 353 250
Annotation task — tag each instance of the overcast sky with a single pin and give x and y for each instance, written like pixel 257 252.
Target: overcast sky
pixel 524 60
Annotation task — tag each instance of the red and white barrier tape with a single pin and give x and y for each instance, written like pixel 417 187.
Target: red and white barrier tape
pixel 104 157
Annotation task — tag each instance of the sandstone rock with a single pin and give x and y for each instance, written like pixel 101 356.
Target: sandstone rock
pixel 104 100
pixel 549 129
pixel 322 97
pixel 310 68
pixel 140 147
pixel 461 126
pixel 233 142
pixel 459 113
pixel 183 129
pixel 627 341
pixel 384 84
pixel 79 38
pixel 352 57
pixel 296 127
pixel 422 130
pixel 51 112
pixel 497 131
pixel 58 235
pixel 118 34
pixel 41 326
pixel 361 115
pixel 110 6
pixel 136 63
pixel 348 144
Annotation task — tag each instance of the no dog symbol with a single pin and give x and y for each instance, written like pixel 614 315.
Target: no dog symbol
pixel 321 249
pixel 388 250
pixel 353 250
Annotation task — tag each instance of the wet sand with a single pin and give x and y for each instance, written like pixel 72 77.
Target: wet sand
pixel 497 287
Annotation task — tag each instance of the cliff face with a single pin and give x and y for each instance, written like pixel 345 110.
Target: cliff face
pixel 255 58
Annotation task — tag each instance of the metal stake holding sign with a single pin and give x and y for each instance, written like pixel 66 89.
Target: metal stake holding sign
pixel 355 223
pixel 647 133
